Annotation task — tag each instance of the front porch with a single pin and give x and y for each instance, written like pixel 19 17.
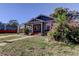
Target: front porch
pixel 36 28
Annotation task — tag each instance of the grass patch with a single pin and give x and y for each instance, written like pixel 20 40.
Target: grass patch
pixel 29 46
pixel 36 46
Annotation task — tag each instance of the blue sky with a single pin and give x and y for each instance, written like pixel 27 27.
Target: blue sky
pixel 25 11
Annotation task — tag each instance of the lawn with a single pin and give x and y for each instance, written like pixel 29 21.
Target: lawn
pixel 37 46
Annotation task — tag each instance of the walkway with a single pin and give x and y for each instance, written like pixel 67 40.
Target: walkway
pixel 6 42
pixel 9 35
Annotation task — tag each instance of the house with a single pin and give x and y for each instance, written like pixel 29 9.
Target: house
pixel 74 18
pixel 40 24
pixel 5 28
pixel 21 28
pixel 73 15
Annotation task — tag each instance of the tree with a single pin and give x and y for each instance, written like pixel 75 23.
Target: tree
pixel 13 23
pixel 0 23
pixel 61 18
pixel 66 30
pixel 60 14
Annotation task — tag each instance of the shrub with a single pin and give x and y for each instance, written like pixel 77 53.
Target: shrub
pixel 50 34
pixel 26 30
pixel 67 30
pixel 67 34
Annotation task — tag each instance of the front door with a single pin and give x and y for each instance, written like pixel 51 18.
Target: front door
pixel 37 28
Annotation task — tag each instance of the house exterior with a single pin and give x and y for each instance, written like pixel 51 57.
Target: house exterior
pixel 21 28
pixel 73 15
pixel 74 18
pixel 5 28
pixel 40 24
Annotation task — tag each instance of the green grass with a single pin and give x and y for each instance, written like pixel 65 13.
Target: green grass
pixel 29 46
pixel 37 46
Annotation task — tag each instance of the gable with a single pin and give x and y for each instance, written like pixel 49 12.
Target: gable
pixel 35 20
pixel 44 18
pixel 40 18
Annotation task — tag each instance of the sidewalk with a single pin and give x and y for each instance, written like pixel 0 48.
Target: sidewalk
pixel 4 43
pixel 9 35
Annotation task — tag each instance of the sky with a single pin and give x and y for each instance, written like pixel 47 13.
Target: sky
pixel 23 12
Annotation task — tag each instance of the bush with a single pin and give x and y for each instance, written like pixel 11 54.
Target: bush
pixel 26 30
pixel 50 34
pixel 67 34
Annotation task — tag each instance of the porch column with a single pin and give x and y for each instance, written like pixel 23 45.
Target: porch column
pixel 32 27
pixel 24 28
pixel 42 28
pixel 24 25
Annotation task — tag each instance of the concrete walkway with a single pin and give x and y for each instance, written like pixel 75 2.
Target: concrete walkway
pixel 4 43
pixel 9 35
pixel 19 38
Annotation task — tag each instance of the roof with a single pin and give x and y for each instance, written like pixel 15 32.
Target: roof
pixel 44 18
pixel 41 18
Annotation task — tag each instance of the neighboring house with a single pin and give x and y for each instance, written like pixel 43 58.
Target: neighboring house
pixel 21 28
pixel 40 24
pixel 74 18
pixel 5 28
pixel 73 15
